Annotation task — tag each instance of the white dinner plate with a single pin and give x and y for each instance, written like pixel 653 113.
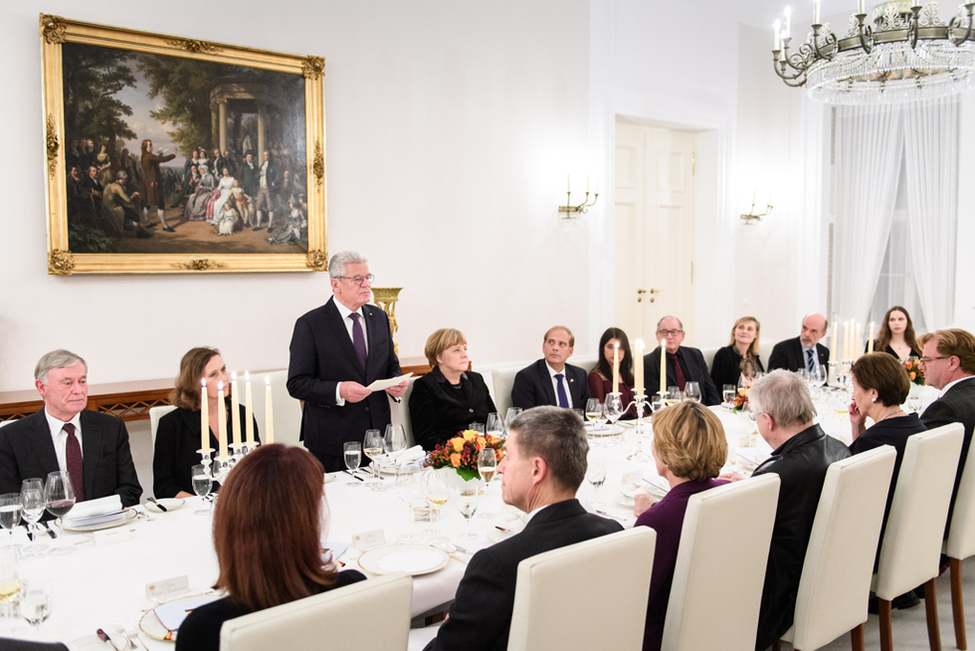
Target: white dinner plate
pixel 412 559
pixel 168 503
pixel 623 500
pixel 604 430
pixel 127 515
pixel 390 469
pixel 151 627
pixel 654 488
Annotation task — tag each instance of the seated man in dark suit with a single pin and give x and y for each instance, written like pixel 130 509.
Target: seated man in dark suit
pixel 544 464
pixel 551 381
pixel 801 454
pixel 795 354
pixel 949 364
pixel 689 366
pixel 100 463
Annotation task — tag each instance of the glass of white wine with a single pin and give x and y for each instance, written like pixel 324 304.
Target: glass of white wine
pixel 10 580
pixel 487 468
pixel 374 447
pixel 10 509
pixel 35 600
pixel 33 502
pixel 202 485
pixel 353 457
pixel 437 493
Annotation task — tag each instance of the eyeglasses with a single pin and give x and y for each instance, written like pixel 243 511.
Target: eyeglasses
pixel 755 414
pixel 669 333
pixel 359 280
pixel 928 360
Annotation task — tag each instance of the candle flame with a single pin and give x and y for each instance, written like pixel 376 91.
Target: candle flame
pixel 247 376
pixel 203 381
pixel 233 376
pixel 267 380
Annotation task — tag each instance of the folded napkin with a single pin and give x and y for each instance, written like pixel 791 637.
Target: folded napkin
pixel 94 508
pixel 171 615
pixel 409 455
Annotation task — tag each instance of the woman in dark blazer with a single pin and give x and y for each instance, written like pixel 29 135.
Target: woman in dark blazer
pixel 740 357
pixel 449 398
pixel 178 434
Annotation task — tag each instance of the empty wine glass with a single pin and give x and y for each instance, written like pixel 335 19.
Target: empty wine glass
pixel 395 438
pixel 596 475
pixel 467 504
pixel 35 600
pixel 202 484
pixel 494 425
pixel 353 457
pixel 60 497
pixel 509 416
pixel 692 391
pixel 221 468
pixel 10 509
pixel 613 407
pixel 374 447
pixel 411 489
pixel 33 503
pixel 10 580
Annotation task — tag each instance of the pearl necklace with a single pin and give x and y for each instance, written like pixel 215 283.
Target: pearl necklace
pixel 891 413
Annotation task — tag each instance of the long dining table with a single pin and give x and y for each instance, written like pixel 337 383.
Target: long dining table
pixel 99 585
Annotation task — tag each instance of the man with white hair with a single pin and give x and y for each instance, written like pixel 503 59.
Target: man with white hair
pixel 801 453
pixel 92 447
pixel 337 351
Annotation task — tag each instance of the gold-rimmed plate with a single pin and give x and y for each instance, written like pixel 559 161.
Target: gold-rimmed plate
pixel 414 559
pixel 126 516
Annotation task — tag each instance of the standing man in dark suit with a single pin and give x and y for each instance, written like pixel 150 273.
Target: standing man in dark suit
pixel 337 350
pixel 949 363
pixel 804 352
pixel 93 448
pixel 544 464
pixel 684 364
pixel 551 381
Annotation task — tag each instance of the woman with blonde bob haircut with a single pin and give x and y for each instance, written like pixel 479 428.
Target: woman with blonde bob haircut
pixel 267 530
pixel 447 399
pixel 689 448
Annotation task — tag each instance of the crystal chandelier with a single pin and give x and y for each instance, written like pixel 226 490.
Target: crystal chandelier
pixel 905 53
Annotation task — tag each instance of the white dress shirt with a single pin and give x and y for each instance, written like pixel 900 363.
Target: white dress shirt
pixel 555 384
pixel 60 437
pixel 344 312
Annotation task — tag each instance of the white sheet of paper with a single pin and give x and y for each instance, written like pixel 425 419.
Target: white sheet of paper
pixel 382 385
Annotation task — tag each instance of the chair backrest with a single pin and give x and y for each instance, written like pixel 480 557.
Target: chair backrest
pixel 605 608
pixel 399 413
pixel 911 548
pixel 720 569
pixel 960 543
pixel 337 619
pixel 836 574
pixel 155 413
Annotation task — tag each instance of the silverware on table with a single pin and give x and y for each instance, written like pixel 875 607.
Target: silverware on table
pixel 133 634
pixel 50 530
pixel 606 514
pixel 120 629
pixel 103 636
pixel 353 475
pixel 158 505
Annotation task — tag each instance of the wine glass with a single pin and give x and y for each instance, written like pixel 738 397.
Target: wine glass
pixel 728 392
pixel 411 489
pixel 221 468
pixel 509 416
pixel 494 426
pixel 353 457
pixel 467 504
pixel 487 468
pixel 202 484
pixel 35 600
pixel 395 438
pixel 692 391
pixel 613 407
pixel 10 509
pixel 374 447
pixel 596 475
pixel 60 497
pixel 33 503
pixel 436 492
pixel 10 580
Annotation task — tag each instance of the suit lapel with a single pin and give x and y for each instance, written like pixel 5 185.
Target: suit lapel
pixel 42 443
pixel 91 447
pixel 340 334
pixel 547 384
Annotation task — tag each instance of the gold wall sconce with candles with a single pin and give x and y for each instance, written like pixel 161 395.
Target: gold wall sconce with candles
pixel 572 212
pixel 751 216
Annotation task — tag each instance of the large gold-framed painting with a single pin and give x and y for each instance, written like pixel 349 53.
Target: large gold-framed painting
pixel 173 155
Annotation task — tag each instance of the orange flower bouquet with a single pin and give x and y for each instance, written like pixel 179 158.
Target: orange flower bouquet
pixel 460 453
pixel 740 401
pixel 913 368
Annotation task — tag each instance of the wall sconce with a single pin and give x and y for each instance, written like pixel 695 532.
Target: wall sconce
pixel 571 211
pixel 753 216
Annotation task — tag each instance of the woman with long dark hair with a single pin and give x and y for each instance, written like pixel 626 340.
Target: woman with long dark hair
pixel 897 335
pixel 601 378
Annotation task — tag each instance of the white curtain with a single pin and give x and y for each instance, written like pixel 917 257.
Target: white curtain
pixel 869 147
pixel 931 142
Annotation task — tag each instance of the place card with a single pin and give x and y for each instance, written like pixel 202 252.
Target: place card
pixel 633 477
pixel 369 539
pixel 111 536
pixel 160 590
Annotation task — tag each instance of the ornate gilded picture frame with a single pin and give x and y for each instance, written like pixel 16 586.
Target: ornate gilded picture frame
pixel 173 155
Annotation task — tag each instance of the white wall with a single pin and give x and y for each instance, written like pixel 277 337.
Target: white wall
pixel 449 129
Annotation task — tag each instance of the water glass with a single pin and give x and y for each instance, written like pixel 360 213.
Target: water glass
pixel 353 457
pixel 728 393
pixel 10 510
pixel 35 600
pixel 202 485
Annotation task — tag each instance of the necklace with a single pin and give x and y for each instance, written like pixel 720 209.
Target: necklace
pixel 891 413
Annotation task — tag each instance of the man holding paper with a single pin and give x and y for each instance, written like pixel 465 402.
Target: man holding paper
pixel 337 351
pixel 93 448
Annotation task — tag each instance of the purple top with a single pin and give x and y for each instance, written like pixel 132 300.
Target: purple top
pixel 666 517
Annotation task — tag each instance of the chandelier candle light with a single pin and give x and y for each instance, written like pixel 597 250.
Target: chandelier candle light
pixel 904 52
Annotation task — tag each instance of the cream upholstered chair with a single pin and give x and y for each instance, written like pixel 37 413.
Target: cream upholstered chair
pixel 960 544
pixel 337 619
pixel 910 552
pixel 717 586
pixel 835 583
pixel 556 607
pixel 155 413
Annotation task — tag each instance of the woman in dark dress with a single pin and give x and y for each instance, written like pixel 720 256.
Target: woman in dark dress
pixel 601 378
pixel 267 532
pixel 740 357
pixel 897 335
pixel 689 448
pixel 178 433
pixel 447 399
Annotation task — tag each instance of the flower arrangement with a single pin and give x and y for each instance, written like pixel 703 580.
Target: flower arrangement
pixel 460 453
pixel 913 368
pixel 740 401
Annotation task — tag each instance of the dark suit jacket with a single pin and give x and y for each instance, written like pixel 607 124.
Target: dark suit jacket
pixel 26 451
pixel 322 355
pixel 533 387
pixel 788 355
pixel 956 406
pixel 693 366
pixel 177 442
pixel 480 616
pixel 438 410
